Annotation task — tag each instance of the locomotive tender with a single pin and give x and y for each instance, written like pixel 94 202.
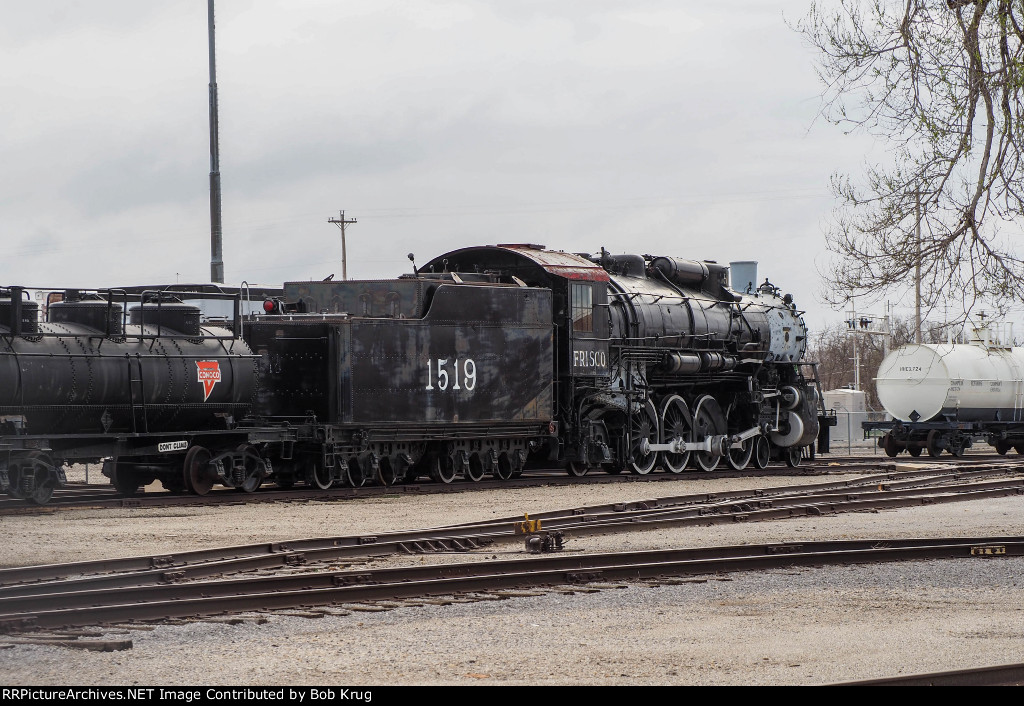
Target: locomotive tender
pixel 481 362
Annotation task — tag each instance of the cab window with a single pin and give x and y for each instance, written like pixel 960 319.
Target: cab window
pixel 582 300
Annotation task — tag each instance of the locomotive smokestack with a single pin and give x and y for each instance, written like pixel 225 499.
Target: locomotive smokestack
pixel 743 275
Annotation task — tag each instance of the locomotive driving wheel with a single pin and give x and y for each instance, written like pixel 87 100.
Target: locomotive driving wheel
pixel 676 423
pixel 643 426
pixel 708 421
pixel 199 477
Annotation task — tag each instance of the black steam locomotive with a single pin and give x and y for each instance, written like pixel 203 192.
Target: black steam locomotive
pixel 483 361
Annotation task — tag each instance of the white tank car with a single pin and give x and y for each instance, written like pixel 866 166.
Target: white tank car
pixel 978 381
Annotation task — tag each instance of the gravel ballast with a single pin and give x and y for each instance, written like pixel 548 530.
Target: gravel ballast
pixel 800 626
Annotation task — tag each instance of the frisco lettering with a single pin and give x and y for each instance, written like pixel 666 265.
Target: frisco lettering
pixel 589 359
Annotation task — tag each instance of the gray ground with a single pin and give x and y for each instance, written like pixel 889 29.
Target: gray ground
pixel 807 626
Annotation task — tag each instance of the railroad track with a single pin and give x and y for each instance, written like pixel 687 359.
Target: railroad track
pixel 305 573
pixel 78 496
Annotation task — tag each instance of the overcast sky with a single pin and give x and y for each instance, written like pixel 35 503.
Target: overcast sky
pixel 652 126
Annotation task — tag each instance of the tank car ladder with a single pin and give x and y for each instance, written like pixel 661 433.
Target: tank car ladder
pixel 136 382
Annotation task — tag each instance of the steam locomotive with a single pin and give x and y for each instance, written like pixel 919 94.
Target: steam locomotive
pixel 483 361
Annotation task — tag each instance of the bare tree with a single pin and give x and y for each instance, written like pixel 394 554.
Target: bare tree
pixel 941 82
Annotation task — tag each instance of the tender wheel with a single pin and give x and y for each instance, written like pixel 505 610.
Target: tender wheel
pixel 356 475
pixel 442 470
pixel 252 468
pixel 577 469
pixel 762 452
pixel 707 421
pixel 792 456
pixel 386 474
pixel 199 475
pixel 739 458
pixel 318 475
pixel 934 450
pixel 643 425
pixel 914 451
pixel 892 448
pixel 1002 446
pixel 676 423
pixel 503 469
pixel 474 472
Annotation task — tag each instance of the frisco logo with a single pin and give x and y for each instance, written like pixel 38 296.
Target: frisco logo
pixel 209 375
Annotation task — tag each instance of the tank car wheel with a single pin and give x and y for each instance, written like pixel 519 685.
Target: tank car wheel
pixel 253 468
pixel 739 458
pixel 914 451
pixel 933 444
pixel 1002 446
pixel 32 481
pixel 676 423
pixel 441 469
pixel 474 472
pixel 199 478
pixel 891 446
pixel 643 426
pixel 125 480
pixel 792 456
pixel 707 421
pixel 762 452
pixel 577 469
pixel 503 469
pixel 958 450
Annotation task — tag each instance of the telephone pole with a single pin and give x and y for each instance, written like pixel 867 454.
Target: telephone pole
pixel 917 270
pixel 341 223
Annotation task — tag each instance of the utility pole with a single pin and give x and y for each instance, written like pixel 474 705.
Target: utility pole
pixel 341 223
pixel 917 270
pixel 216 234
